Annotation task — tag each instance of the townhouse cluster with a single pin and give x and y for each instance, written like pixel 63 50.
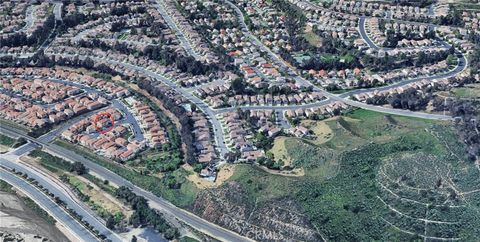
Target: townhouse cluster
pixel 35 19
pixel 57 78
pixel 346 81
pixel 203 140
pixel 168 72
pixel 471 20
pixel 108 88
pixel 379 9
pixel 252 63
pixel 41 91
pixel 342 78
pixel 418 85
pixel 132 31
pixel 335 24
pixel 112 144
pixel 24 112
pixel 268 99
pixel 155 135
pixel 269 24
pixel 33 16
pixel 326 110
pixel 257 70
pixel 240 136
pixel 217 96
pixel 378 34
pixel 192 36
pixel 458 38
pixel 13 17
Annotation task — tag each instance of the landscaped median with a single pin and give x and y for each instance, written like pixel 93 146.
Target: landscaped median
pixel 6 143
pixel 182 197
pixel 119 207
pixel 61 204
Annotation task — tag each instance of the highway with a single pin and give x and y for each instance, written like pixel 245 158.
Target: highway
pixel 168 208
pixel 47 204
pixel 11 161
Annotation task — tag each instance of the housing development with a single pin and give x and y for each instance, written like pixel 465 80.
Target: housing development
pixel 240 120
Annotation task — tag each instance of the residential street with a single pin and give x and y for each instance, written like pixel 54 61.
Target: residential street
pixel 185 216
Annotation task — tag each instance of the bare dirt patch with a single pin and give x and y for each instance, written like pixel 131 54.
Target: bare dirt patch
pixel 18 219
pixel 279 150
pixel 321 129
pixel 224 173
pixel 292 173
pixel 4 149
pixel 97 196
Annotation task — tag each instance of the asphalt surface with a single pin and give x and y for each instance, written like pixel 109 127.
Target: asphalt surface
pixel 29 18
pixel 193 220
pixel 344 98
pixel 186 44
pixel 202 106
pixel 57 10
pixel 128 118
pixel 364 35
pixel 196 222
pixel 281 120
pixel 10 161
pixel 48 205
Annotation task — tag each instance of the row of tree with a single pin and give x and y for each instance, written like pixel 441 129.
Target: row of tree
pixel 170 103
pixel 410 99
pixel 37 37
pixel 388 62
pixel 143 215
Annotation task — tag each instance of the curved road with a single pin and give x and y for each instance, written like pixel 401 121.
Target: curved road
pixel 10 161
pixel 363 33
pixel 461 66
pixel 193 220
pixel 47 204
pixel 201 105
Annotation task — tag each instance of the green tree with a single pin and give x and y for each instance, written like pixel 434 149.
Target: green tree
pixel 238 85
pixel 110 223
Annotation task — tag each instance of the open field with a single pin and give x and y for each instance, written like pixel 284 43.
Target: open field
pixel 102 202
pixel 468 91
pixel 182 196
pixel 280 151
pixel 224 173
pixel 311 37
pixel 382 178
pixel 99 200
pixel 322 130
